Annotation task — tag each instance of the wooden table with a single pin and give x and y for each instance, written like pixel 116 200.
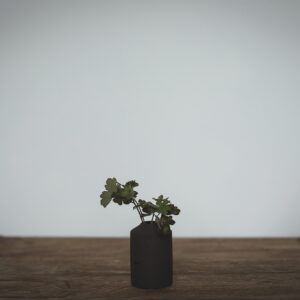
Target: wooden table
pixel 98 268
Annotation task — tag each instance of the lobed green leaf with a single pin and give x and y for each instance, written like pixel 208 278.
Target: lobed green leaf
pixel 105 198
pixel 111 185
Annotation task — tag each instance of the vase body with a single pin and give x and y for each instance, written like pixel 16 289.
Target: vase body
pixel 151 257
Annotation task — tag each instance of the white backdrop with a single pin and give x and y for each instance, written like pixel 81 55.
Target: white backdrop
pixel 197 100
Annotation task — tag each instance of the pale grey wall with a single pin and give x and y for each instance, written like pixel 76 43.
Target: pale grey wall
pixel 198 100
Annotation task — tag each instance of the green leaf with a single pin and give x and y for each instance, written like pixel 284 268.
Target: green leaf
pixel 167 220
pixel 117 200
pixel 105 198
pixel 162 204
pixel 127 200
pixel 127 194
pixel 162 200
pixel 147 206
pixel 111 185
pixel 132 183
pixel 173 210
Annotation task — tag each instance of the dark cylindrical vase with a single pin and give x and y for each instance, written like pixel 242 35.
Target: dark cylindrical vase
pixel 151 257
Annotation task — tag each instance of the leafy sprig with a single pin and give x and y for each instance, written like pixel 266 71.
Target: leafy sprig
pixel 161 210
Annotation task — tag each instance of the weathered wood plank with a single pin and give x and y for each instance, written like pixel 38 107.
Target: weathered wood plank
pixel 98 268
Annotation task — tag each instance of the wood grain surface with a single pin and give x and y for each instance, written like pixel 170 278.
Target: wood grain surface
pixel 98 268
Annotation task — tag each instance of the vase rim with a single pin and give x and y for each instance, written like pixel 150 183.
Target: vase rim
pixel 148 222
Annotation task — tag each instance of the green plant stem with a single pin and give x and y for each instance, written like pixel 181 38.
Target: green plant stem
pixel 152 217
pixel 139 210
